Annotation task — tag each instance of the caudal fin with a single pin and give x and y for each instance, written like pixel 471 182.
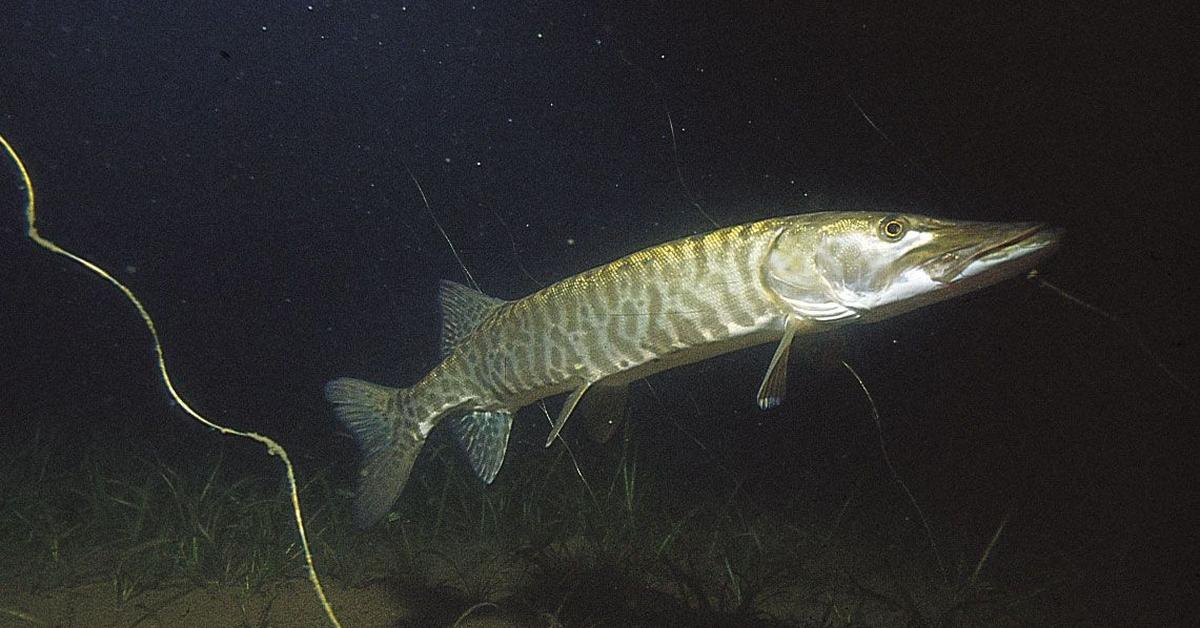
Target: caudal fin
pixel 388 439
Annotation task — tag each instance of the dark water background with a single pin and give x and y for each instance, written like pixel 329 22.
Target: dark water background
pixel 247 171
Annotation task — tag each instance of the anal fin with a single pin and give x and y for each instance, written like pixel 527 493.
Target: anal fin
pixel 483 436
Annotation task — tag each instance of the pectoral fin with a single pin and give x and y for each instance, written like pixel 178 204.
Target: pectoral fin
pixel 483 437
pixel 567 409
pixel 774 384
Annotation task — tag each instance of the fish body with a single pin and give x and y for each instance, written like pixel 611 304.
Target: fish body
pixel 661 307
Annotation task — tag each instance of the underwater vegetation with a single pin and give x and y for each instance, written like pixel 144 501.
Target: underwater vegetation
pixel 124 534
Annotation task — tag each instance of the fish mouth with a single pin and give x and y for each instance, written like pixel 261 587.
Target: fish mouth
pixel 995 251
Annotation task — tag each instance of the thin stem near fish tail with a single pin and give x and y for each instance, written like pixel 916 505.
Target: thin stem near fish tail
pixel 438 224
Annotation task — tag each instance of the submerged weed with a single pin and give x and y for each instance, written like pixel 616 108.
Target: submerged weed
pixel 540 544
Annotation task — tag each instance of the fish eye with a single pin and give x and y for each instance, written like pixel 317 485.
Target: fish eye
pixel 892 228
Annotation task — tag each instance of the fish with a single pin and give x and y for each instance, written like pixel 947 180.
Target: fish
pixel 592 334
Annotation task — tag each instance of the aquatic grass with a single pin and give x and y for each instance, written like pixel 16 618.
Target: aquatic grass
pixel 220 530
pixel 140 523
pixel 43 526
pixel 135 571
pixel 540 542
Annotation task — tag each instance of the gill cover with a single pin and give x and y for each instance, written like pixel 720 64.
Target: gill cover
pixel 836 266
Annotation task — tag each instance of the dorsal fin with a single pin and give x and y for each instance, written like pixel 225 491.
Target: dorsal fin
pixel 462 310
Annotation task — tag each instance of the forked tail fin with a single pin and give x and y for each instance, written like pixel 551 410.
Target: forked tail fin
pixel 388 439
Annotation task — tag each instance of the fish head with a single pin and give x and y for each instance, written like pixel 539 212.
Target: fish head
pixel 859 266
